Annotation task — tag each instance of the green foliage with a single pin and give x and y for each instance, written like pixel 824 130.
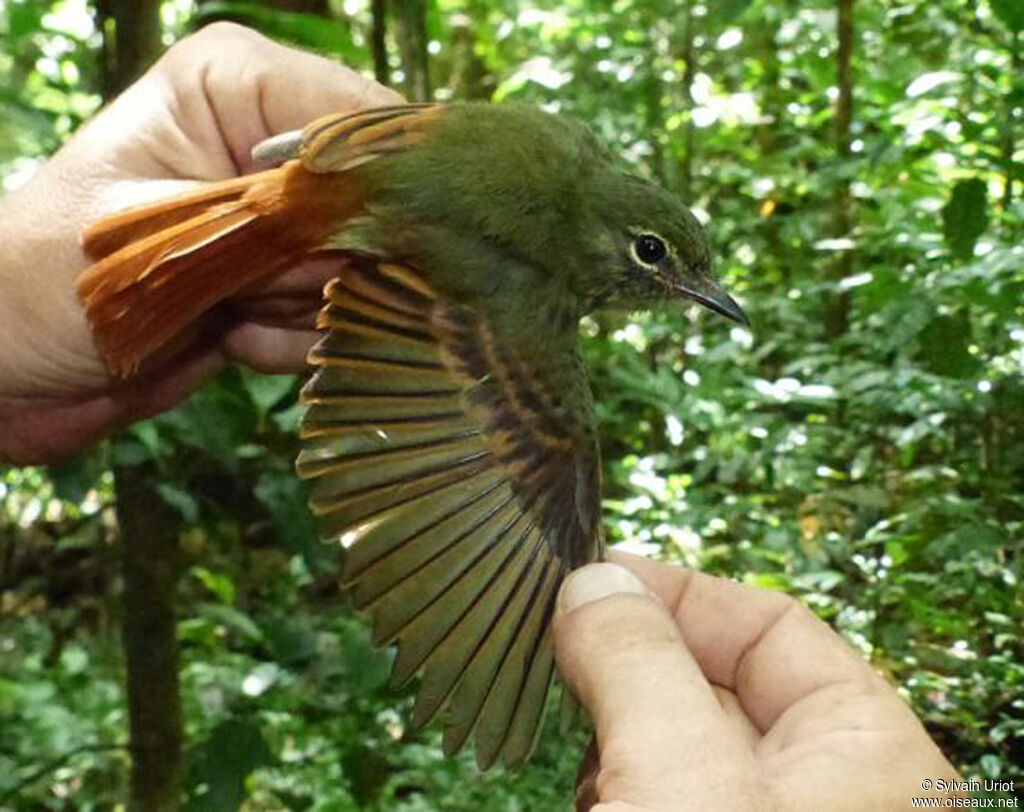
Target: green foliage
pixel 964 217
pixel 305 29
pixel 1011 14
pixel 877 475
pixel 47 78
pixel 223 761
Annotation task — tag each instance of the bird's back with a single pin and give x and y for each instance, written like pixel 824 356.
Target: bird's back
pixel 508 173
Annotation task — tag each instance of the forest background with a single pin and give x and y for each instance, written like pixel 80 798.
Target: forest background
pixel 860 446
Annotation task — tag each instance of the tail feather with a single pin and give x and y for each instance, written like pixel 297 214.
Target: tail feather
pixel 160 267
pixel 115 232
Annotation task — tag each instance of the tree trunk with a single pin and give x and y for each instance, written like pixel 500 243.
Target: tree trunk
pixel 149 566
pixel 131 41
pixel 1010 132
pixel 764 45
pixel 381 68
pixel 837 311
pixel 147 527
pixel 689 55
pixel 470 77
pixel 411 33
pixel 654 108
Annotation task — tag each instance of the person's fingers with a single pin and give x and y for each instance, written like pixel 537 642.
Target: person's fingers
pixel 763 645
pixel 736 716
pixel 310 276
pixel 247 87
pixel 42 432
pixel 660 727
pixel 292 311
pixel 270 350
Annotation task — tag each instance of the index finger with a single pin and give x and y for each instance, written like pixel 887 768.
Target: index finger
pixel 766 647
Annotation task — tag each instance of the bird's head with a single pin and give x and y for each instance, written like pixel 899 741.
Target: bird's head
pixel 651 250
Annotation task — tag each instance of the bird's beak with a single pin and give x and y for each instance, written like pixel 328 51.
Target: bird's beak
pixel 706 292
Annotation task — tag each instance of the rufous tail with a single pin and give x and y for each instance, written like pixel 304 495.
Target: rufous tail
pixel 161 266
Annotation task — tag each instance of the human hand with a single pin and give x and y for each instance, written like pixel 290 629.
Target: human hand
pixel 193 117
pixel 707 694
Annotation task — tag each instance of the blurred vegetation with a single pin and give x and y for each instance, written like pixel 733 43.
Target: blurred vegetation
pixel 860 447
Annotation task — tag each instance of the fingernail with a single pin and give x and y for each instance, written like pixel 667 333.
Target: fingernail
pixel 596 581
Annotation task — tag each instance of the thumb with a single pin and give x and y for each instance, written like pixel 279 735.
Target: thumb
pixel 660 728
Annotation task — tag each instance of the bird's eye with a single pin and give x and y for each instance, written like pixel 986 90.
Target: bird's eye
pixel 649 249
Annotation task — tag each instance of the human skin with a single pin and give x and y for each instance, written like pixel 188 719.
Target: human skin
pixel 193 117
pixel 708 694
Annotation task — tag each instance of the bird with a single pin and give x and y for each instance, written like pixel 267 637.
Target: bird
pixel 449 435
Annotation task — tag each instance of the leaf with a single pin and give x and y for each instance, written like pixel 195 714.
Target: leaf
pixel 944 346
pixel 306 29
pixel 366 666
pixel 223 761
pixel 24 18
pixel 233 619
pixel 368 771
pixel 284 495
pixel 219 584
pixel 74 478
pixel 181 500
pixel 866 496
pixel 927 82
pixel 216 420
pixel 966 539
pixel 1011 12
pixel 291 641
pixel 965 217
pixel 726 11
pixel 267 390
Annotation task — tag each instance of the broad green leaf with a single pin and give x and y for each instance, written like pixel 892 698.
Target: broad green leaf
pixel 218 583
pixel 944 346
pixel 233 619
pixel 180 499
pixel 267 390
pixel 309 30
pixel 726 11
pixel 965 217
pixel 284 495
pixel 291 641
pixel 1011 12
pixel 223 761
pixel 74 478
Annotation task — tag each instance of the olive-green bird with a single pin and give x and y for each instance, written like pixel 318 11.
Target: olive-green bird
pixel 450 432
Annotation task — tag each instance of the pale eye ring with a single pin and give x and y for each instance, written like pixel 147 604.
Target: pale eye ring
pixel 649 249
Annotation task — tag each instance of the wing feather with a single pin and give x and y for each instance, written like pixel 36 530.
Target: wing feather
pixel 461 490
pixel 339 143
pixel 477 609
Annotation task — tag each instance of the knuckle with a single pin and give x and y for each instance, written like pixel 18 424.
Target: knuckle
pixel 210 40
pixel 224 31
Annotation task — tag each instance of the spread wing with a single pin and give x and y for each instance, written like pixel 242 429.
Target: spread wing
pixel 462 492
